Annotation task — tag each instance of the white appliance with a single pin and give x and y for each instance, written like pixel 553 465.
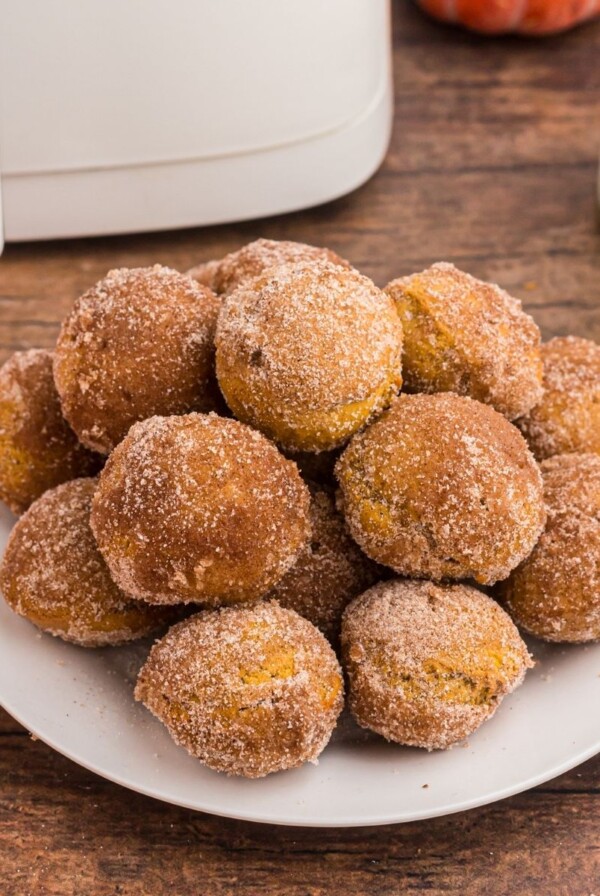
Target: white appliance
pixel 133 115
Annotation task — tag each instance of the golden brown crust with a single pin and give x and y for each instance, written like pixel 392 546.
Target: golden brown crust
pixel 248 690
pixel 138 343
pixel 567 418
pixel 256 258
pixel 555 593
pixel 53 574
pixel 38 449
pixel 330 571
pixel 199 509
pixel 442 487
pixel 426 663
pixel 467 336
pixel 308 354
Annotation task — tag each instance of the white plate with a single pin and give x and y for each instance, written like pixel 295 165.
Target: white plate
pixel 80 703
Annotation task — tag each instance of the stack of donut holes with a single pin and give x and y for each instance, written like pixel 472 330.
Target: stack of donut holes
pixel 311 489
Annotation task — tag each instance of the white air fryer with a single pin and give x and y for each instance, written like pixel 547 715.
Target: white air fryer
pixel 132 115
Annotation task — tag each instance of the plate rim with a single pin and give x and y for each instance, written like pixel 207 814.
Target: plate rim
pixel 291 821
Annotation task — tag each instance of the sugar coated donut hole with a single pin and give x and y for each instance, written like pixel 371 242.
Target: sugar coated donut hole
pixel 138 343
pixel 38 448
pixel 255 258
pixel 567 417
pixel 442 487
pixel 555 593
pixel 308 354
pixel 329 572
pixel 53 574
pixel 247 690
pixel 199 509
pixel 428 664
pixel 467 336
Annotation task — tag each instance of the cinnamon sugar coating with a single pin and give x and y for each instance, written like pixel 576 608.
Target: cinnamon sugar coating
pixel 205 273
pixel 428 664
pixel 199 509
pixel 467 336
pixel 53 574
pixel 256 258
pixel 555 593
pixel 330 571
pixel 442 487
pixel 247 690
pixel 138 343
pixel 567 418
pixel 38 448
pixel 308 354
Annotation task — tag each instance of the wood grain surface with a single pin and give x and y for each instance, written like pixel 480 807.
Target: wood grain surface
pixel 492 165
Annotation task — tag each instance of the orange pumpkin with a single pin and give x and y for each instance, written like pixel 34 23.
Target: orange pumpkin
pixel 521 16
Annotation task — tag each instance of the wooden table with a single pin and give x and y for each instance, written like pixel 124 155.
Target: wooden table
pixel 492 166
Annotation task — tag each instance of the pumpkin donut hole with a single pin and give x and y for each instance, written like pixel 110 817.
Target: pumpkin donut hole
pixel 308 354
pixel 199 509
pixel 254 259
pixel 467 336
pixel 567 417
pixel 555 593
pixel 247 690
pixel 428 664
pixel 38 448
pixel 138 343
pixel 224 275
pixel 53 574
pixel 330 571
pixel 442 487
